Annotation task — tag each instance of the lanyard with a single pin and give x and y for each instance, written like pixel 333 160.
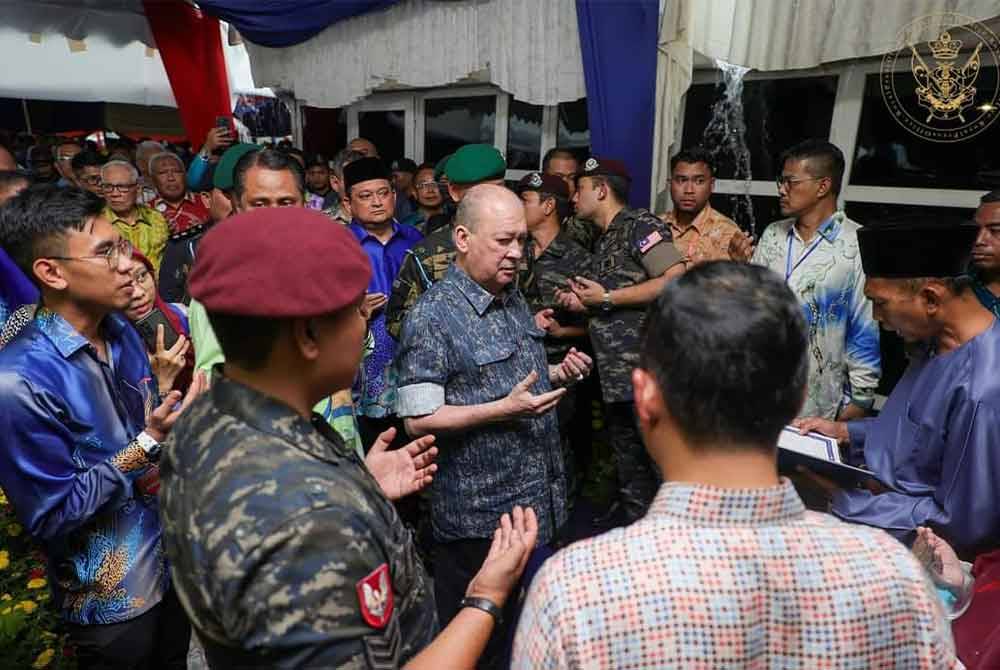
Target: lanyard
pixel 789 268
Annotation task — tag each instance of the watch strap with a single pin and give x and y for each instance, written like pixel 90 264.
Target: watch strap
pixel 486 605
pixel 148 444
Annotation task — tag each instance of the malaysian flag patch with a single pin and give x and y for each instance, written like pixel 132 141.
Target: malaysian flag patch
pixel 650 241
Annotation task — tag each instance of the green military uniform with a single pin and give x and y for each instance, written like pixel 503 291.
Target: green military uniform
pixel 425 264
pixel 582 231
pixel 270 523
pixel 635 248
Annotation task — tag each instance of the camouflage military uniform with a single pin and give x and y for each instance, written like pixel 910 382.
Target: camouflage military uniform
pixel 582 231
pixel 283 549
pixel 635 248
pixel 425 264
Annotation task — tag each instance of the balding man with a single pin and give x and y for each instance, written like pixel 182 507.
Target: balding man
pixel 143 152
pixel 483 386
pixel 363 146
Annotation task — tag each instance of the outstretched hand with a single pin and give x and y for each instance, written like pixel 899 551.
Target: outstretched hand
pixel 402 471
pixel 513 542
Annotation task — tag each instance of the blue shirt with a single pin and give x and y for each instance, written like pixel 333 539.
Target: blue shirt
pixel 69 468
pixel 461 345
pixel 374 389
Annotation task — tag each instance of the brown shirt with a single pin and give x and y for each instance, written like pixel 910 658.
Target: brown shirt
pixel 706 239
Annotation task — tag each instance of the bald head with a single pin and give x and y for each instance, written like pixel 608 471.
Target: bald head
pixel 366 147
pixel 7 162
pixel 489 235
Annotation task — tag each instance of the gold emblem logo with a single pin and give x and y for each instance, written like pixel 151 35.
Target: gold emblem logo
pixel 936 83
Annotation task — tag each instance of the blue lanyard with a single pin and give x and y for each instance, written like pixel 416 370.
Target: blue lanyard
pixel 789 268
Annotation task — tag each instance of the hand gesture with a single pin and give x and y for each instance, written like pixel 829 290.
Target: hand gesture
pixel 543 319
pixel 569 301
pixel 168 363
pixel 815 424
pixel 163 418
pixel 512 544
pixel 521 402
pixel 741 246
pixel 216 139
pixel 939 559
pixel 588 291
pixel 402 471
pixel 574 368
pixel 374 302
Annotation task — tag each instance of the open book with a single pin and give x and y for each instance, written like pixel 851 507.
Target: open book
pixel 818 453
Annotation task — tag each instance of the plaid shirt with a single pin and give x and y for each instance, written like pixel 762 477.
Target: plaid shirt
pixel 721 578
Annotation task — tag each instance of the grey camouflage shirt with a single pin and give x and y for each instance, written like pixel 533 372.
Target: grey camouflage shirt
pixel 283 549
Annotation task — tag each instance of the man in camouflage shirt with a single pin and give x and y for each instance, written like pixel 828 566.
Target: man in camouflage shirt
pixel 562 162
pixel 633 259
pixel 427 262
pixel 284 546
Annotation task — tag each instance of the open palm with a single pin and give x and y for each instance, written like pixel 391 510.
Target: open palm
pixel 402 471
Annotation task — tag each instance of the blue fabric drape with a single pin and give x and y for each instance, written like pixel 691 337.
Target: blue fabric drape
pixel 618 43
pixel 282 23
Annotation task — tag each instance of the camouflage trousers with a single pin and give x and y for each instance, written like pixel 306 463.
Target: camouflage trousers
pixel 638 477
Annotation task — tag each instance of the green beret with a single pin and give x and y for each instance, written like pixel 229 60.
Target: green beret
pixel 223 177
pixel 474 163
pixel 441 165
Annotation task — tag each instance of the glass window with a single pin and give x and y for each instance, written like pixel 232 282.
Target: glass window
pixel 872 213
pixel 524 136
pixel 778 114
pixel 573 130
pixel 450 123
pixel 324 130
pixel 888 154
pixel 387 130
pixel 763 210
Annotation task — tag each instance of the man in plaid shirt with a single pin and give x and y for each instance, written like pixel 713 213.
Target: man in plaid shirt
pixel 728 569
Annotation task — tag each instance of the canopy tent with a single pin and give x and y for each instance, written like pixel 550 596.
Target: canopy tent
pixel 105 51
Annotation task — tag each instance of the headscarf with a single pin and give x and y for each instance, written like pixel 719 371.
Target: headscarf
pixel 184 378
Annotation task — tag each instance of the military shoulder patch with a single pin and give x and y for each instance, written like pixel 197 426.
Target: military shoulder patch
pixel 375 597
pixel 650 241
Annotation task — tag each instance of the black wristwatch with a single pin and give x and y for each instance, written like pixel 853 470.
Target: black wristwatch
pixel 485 605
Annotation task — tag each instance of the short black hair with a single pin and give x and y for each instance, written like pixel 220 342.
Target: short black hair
pixel 726 343
pixel 246 341
pixel 558 152
pixel 314 160
pixel 34 223
pixel 826 158
pixel 618 185
pixel 269 159
pixel 991 197
pixel 563 206
pixel 693 155
pixel 10 177
pixel 87 158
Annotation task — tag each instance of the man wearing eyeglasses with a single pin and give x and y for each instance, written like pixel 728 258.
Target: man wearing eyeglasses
pixel 81 422
pixel 143 226
pixel 816 251
pixel 87 170
pixel 64 153
pixel 427 194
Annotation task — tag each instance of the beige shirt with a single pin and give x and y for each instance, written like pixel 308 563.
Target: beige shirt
pixel 706 239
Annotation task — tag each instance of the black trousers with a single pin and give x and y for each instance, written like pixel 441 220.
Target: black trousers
pixel 157 639
pixel 455 564
pixel 638 478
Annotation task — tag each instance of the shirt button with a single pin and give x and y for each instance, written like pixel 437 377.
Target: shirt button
pixel 317 488
pixel 240 532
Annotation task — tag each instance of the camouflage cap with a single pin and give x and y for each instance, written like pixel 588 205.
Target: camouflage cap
pixel 594 167
pixel 474 163
pixel 223 177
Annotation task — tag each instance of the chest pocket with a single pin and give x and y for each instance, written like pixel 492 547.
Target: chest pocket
pixel 490 354
pixel 922 456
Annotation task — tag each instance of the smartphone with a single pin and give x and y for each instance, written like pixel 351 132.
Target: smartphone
pixel 223 122
pixel 147 329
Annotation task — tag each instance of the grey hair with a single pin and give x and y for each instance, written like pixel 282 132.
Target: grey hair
pixel 122 164
pixel 149 144
pixel 163 155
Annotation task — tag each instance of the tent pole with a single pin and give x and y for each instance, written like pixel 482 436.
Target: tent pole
pixel 27 116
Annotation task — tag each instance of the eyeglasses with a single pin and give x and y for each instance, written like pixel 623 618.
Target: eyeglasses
pixel 427 186
pixel 382 193
pixel 120 249
pixel 140 277
pixel 789 182
pixel 119 188
pixel 93 180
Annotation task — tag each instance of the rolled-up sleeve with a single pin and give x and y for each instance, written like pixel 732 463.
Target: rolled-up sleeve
pixel 422 367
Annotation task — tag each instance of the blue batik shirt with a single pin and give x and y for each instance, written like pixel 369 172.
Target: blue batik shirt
pixel 462 346
pixel 68 465
pixel 375 388
pixel 825 274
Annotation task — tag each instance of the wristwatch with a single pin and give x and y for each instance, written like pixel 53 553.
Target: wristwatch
pixel 148 445
pixel 606 303
pixel 485 605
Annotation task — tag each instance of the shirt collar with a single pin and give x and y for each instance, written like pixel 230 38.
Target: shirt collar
pixel 141 214
pixel 699 223
pixel 711 506
pixel 267 415
pixel 65 337
pixel 829 230
pixel 478 297
pixel 362 233
pixel 557 247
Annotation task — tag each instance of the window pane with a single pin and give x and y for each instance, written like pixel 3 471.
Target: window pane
pixel 524 136
pixel 778 114
pixel 574 128
pixel 450 123
pixel 765 210
pixel 387 130
pixel 888 154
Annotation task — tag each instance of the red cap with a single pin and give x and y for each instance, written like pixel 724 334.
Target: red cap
pixel 595 166
pixel 537 181
pixel 280 262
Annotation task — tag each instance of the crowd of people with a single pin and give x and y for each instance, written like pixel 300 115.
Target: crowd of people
pixel 336 412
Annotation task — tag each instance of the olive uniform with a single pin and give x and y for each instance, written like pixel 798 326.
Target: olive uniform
pixel 177 261
pixel 424 265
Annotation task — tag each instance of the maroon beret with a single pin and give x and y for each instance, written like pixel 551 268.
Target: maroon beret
pixel 536 181
pixel 594 166
pixel 279 262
